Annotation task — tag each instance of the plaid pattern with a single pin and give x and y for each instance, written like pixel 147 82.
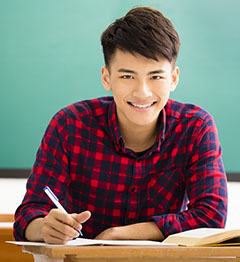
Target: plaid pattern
pixel 179 183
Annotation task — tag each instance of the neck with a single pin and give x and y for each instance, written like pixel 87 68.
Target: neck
pixel 139 138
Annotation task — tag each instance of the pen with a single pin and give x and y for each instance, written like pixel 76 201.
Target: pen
pixel 55 200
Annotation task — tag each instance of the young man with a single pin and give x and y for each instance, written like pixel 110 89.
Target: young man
pixel 137 165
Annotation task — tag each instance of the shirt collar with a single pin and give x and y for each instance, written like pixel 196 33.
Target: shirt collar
pixel 117 137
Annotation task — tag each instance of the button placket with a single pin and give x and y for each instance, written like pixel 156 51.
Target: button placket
pixel 133 196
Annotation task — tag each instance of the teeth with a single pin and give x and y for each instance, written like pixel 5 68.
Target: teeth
pixel 141 106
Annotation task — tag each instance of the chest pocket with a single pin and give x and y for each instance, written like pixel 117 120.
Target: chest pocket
pixel 166 190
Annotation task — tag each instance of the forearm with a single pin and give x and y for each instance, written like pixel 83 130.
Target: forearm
pixel 138 231
pixel 143 231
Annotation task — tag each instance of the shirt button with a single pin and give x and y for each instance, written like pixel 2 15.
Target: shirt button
pixel 133 189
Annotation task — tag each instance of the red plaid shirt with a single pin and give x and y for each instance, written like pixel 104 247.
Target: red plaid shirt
pixel 179 182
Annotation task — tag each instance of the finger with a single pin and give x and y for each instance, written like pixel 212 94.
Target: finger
pixel 82 217
pixel 73 220
pixel 63 229
pixel 62 222
pixel 59 215
pixel 56 214
pixel 53 239
pixel 52 236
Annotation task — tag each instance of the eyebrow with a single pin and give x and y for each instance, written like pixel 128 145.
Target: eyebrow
pixel 123 70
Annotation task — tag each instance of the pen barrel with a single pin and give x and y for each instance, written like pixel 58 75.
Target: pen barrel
pixel 55 200
pixel 60 207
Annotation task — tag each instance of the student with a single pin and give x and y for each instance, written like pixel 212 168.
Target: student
pixel 137 165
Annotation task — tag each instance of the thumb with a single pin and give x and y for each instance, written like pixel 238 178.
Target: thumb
pixel 82 217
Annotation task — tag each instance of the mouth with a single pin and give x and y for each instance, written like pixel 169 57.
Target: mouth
pixel 141 105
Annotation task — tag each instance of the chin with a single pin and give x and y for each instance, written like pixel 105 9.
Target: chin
pixel 143 123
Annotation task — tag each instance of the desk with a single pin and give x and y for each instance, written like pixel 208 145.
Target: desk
pixel 10 253
pixel 133 254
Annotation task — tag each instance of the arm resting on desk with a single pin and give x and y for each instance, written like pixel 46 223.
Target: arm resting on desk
pixel 139 231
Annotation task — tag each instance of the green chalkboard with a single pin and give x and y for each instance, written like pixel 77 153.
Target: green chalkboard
pixel 50 56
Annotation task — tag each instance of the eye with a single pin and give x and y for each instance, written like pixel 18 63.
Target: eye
pixel 126 77
pixel 157 77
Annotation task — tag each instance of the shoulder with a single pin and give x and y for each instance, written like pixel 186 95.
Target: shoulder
pixel 176 110
pixel 92 108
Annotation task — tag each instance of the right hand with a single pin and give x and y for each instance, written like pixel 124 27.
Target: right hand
pixel 57 227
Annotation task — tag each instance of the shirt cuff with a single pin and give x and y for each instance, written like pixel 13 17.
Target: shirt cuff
pixel 22 222
pixel 168 224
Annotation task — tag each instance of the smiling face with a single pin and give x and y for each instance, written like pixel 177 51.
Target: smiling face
pixel 140 87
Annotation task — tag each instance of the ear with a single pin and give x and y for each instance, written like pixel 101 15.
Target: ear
pixel 175 78
pixel 106 78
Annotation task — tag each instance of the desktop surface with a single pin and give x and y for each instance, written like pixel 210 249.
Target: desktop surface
pixel 135 253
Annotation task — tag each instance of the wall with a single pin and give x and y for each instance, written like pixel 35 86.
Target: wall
pixel 50 56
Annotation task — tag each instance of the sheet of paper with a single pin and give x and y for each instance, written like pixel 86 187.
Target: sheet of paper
pixel 88 242
pixel 80 241
pixel 201 232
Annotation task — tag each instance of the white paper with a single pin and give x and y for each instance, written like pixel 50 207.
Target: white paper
pixel 88 242
pixel 201 232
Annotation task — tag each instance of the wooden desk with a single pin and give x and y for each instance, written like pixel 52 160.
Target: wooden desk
pixel 6 218
pixel 134 254
pixel 8 252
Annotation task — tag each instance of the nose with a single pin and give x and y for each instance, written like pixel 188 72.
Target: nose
pixel 142 91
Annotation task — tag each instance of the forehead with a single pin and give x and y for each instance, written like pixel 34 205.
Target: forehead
pixel 137 62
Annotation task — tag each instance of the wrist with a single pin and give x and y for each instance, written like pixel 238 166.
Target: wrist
pixel 34 231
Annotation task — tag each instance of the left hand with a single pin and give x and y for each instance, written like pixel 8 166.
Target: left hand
pixel 138 231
